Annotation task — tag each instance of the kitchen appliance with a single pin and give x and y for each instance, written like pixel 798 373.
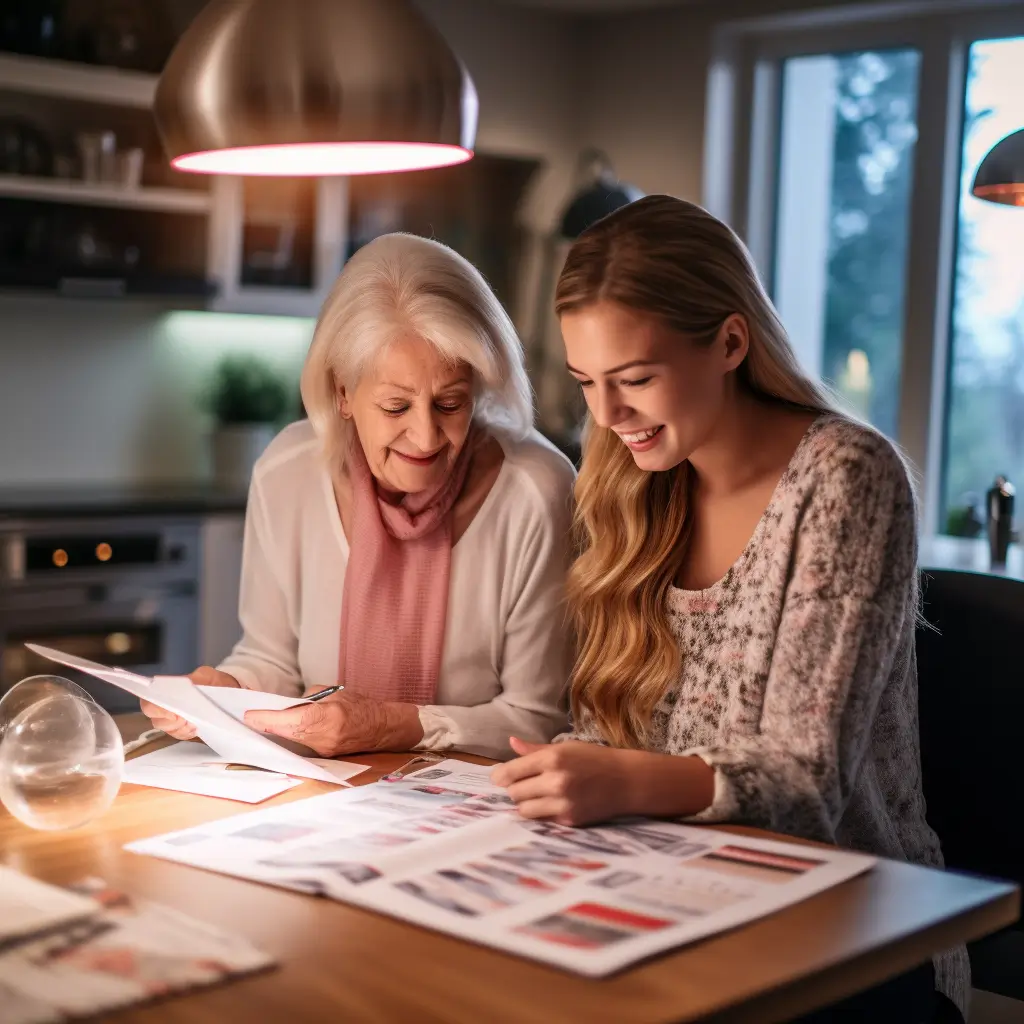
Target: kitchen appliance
pixel 1000 499
pixel 122 591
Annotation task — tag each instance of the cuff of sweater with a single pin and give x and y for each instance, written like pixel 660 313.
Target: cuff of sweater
pixel 438 730
pixel 249 680
pixel 725 804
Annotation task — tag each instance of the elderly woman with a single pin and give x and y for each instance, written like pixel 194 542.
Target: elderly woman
pixel 410 541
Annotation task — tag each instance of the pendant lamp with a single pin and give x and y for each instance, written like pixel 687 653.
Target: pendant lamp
pixel 314 87
pixel 1000 176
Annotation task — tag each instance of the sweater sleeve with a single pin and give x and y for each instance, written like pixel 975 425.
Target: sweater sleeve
pixel 266 658
pixel 535 653
pixel 850 593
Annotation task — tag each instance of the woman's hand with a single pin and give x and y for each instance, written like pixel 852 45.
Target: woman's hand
pixel 343 724
pixel 571 783
pixel 577 783
pixel 175 725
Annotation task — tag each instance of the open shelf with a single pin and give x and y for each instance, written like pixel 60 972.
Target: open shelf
pixel 105 286
pixel 84 83
pixel 80 193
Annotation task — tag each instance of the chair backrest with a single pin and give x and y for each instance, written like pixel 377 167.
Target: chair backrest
pixel 971 701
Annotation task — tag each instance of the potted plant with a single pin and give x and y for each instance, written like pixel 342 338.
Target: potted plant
pixel 248 398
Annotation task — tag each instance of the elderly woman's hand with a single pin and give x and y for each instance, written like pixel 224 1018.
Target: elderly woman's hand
pixel 174 725
pixel 343 724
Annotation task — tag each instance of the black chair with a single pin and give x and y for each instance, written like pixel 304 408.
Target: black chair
pixel 971 702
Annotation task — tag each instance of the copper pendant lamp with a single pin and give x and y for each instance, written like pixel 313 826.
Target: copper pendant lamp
pixel 314 87
pixel 1000 176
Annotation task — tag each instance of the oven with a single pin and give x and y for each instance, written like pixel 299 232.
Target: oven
pixel 121 591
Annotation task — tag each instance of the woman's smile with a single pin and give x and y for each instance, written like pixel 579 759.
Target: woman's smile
pixel 420 460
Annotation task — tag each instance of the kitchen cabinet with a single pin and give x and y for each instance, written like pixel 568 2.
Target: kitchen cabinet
pixel 277 244
pixel 88 205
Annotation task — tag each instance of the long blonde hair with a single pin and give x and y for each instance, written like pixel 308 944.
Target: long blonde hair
pixel 673 260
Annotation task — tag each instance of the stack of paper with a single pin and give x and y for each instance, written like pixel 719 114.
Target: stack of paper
pixel 218 715
pixel 196 768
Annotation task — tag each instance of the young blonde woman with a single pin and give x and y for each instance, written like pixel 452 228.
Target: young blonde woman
pixel 745 593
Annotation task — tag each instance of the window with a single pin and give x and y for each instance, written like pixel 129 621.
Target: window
pixel 846 150
pixel 841 143
pixel 985 418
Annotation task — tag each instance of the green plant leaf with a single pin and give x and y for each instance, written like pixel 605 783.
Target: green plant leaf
pixel 246 389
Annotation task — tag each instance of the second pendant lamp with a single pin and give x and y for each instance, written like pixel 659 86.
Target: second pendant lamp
pixel 314 87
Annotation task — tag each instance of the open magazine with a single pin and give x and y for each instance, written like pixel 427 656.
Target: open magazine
pixel 445 849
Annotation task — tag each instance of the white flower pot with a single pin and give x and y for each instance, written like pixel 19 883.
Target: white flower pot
pixel 235 448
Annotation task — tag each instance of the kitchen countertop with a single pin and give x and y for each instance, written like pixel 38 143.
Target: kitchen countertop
pixel 199 499
pixel 963 555
pixel 79 500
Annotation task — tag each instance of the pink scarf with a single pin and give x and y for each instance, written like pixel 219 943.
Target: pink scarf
pixel 395 601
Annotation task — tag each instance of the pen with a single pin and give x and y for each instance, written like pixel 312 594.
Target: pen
pixel 399 773
pixel 325 693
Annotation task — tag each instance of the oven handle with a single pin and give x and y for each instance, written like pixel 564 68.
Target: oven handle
pixel 12 557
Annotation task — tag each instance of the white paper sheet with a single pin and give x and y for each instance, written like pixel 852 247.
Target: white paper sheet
pixel 195 768
pixel 445 849
pixel 216 727
pixel 251 787
pixel 237 701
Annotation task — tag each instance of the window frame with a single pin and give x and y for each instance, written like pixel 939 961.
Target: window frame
pixel 741 162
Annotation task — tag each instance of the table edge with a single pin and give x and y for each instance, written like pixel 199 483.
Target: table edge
pixel 876 965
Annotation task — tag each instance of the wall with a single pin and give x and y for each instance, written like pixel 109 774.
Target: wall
pixel 647 75
pixel 107 392
pixel 112 393
pixel 528 68
pixel 526 65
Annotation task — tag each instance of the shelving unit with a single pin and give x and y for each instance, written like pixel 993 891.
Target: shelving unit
pixel 59 79
pixel 73 237
pixel 261 246
pixel 79 193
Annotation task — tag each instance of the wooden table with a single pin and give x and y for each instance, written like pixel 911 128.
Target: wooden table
pixel 343 964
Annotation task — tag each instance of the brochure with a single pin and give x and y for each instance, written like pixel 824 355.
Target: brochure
pixel 445 849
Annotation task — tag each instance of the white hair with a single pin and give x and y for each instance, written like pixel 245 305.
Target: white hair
pixel 400 284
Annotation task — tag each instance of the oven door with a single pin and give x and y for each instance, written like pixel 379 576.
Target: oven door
pixel 153 631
